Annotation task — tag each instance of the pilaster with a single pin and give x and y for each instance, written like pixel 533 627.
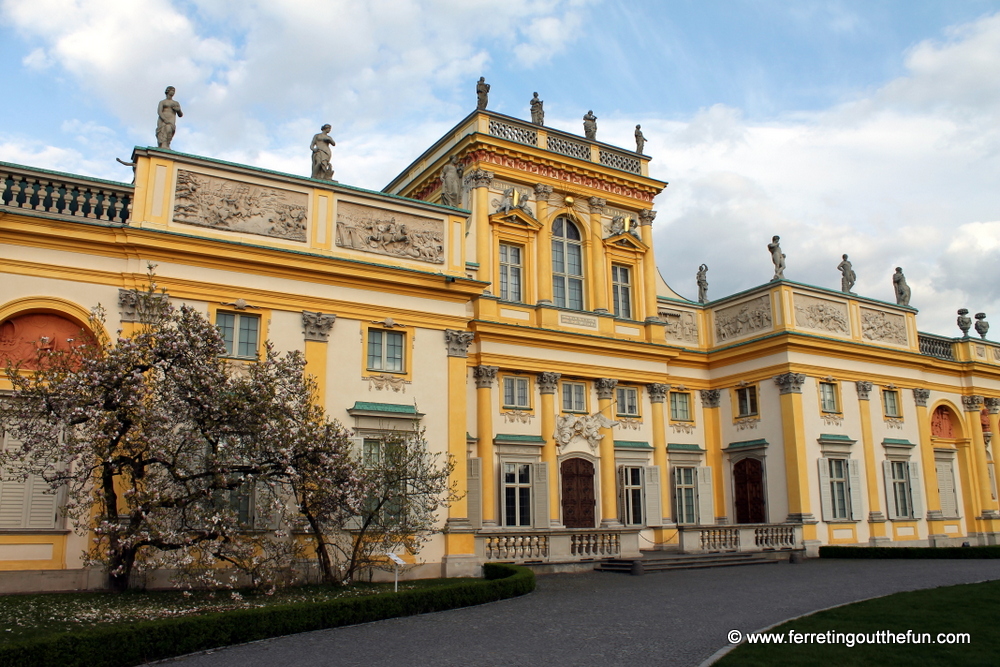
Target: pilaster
pixel 479 181
pixel 609 490
pixel 485 377
pixel 548 383
pixel 657 400
pixel 987 511
pixel 458 539
pixel 646 217
pixel 598 270
pixel 794 442
pixel 711 401
pixel 932 495
pixel 544 244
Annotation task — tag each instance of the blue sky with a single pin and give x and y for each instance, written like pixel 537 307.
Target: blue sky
pixel 871 128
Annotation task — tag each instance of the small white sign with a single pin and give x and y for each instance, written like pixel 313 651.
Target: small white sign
pixel 396 559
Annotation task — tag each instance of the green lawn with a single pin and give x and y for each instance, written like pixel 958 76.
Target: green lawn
pixel 969 608
pixel 31 616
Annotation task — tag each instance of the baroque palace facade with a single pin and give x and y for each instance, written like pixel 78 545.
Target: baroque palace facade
pixel 591 411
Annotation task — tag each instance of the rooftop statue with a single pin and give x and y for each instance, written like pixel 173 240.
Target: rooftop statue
pixel 777 257
pixel 702 279
pixel 590 126
pixel 900 287
pixel 482 93
pixel 167 113
pixel 451 182
pixel 322 152
pixel 537 112
pixel 640 141
pixel 848 277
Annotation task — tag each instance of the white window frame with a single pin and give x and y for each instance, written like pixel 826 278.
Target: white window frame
pixel 897 409
pixel 519 390
pixel 576 390
pixel 828 399
pixel 565 282
pixel 675 403
pixel 627 401
pixel 381 361
pixel 686 495
pixel 621 291
pixel 747 397
pixel 511 272
pixel 632 485
pixel 238 345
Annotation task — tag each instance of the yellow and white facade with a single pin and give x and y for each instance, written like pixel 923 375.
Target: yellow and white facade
pixel 591 411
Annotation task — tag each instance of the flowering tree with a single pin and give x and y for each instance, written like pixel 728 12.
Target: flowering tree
pixel 170 455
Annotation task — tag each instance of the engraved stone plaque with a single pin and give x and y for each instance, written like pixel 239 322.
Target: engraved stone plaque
pixel 234 206
pixel 566 319
pixel 392 233
pixel 821 314
pixel 743 319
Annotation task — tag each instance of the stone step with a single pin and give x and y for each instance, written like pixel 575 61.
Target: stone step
pixel 684 562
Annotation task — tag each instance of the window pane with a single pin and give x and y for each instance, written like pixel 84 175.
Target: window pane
pixel 510 506
pixel 508 391
pixel 515 284
pixel 375 350
pixel 248 335
pixel 575 294
pixel 226 323
pixel 525 508
pixel 393 351
pixel 559 291
pixel 572 232
pixel 522 392
pixel 524 474
pixel 574 260
pixel 558 257
pixel 557 227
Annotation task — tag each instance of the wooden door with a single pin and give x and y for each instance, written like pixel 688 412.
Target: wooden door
pixel 748 491
pixel 578 503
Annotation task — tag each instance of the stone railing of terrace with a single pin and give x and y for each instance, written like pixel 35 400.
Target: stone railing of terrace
pixel 558 545
pixel 64 195
pixel 936 346
pixel 741 537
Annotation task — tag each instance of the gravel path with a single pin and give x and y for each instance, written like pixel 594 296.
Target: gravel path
pixel 603 619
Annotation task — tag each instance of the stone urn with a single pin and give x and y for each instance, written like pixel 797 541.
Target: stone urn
pixel 982 326
pixel 964 321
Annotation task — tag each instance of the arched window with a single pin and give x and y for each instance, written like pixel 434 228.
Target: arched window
pixel 567 265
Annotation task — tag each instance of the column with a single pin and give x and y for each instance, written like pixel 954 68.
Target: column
pixel 544 246
pixel 609 485
pixel 598 271
pixel 794 442
pixel 935 527
pixel 987 505
pixel 548 383
pixel 460 547
pixel 657 398
pixel 479 181
pixel 646 217
pixel 485 377
pixel 711 399
pixel 876 518
pixel 316 329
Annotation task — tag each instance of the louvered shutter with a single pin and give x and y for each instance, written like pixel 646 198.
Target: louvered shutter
pixel 474 492
pixel 706 512
pixel 653 502
pixel 854 487
pixel 890 495
pixel 540 495
pixel 825 497
pixel 916 490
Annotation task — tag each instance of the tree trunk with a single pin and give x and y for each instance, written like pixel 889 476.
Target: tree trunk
pixel 322 553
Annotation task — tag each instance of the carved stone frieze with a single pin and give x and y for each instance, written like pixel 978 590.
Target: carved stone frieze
pixel 920 396
pixel 789 383
pixel 384 381
pixel 973 403
pixel 657 392
pixel 743 319
pixel 393 233
pixel 233 206
pixel 458 342
pixel 606 388
pixel 864 387
pixel 747 423
pixel 316 326
pixel 710 398
pixel 894 422
pixel 478 178
pixel 832 419
pixel 680 325
pixel 821 314
pixel 878 325
pixel 585 427
pixel 630 423
pixel 993 405
pixel 682 427
pixel 485 376
pixel 548 382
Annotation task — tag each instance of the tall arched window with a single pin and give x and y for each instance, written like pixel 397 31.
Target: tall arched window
pixel 567 265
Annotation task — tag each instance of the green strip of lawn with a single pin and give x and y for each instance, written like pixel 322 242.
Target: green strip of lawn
pixel 969 608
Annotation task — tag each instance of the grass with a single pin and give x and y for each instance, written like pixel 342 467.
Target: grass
pixel 968 608
pixel 47 614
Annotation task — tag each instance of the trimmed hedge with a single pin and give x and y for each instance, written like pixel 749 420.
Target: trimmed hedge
pixel 910 552
pixel 137 643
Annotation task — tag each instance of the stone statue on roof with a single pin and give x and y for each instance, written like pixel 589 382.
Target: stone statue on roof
pixel 590 126
pixel 167 113
pixel 482 93
pixel 640 140
pixel 322 153
pixel 451 182
pixel 777 258
pixel 847 277
pixel 702 279
pixel 900 287
pixel 537 112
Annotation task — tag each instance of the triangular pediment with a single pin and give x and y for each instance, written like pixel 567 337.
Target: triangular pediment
pixel 515 216
pixel 627 241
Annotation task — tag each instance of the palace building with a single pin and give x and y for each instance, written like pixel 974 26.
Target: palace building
pixel 591 411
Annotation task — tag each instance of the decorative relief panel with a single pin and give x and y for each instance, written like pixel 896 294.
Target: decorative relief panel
pixel 881 326
pixel 233 206
pixel 518 416
pixel 585 427
pixel 392 233
pixel 384 381
pixel 682 427
pixel 743 318
pixel 682 326
pixel 821 314
pixel 23 336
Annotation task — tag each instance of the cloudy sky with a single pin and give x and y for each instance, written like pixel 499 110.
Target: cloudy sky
pixel 868 128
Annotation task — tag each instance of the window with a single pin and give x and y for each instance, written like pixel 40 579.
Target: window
pixel 686 494
pixel 839 498
pixel 631 484
pixel 628 401
pixel 515 393
pixel 890 403
pixel 680 406
pixel 828 397
pixel 574 396
pixel 517 494
pixel 621 291
pixel 510 272
pixel 26 503
pixel 839 481
pixel 387 503
pixel 240 333
pixel 567 265
pixel 901 492
pixel 746 398
pixel 385 351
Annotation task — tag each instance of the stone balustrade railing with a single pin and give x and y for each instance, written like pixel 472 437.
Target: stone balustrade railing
pixel 561 545
pixel 936 346
pixel 64 195
pixel 740 537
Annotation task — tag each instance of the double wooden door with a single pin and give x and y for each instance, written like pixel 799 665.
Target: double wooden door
pixel 748 491
pixel 578 502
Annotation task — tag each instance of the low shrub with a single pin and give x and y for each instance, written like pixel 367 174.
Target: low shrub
pixel 136 643
pixel 910 552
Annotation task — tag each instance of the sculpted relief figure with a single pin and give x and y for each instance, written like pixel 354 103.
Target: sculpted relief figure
pixel 537 112
pixel 848 277
pixel 640 140
pixel 167 113
pixel 482 93
pixel 590 126
pixel 451 183
pixel 777 258
pixel 702 279
pixel 900 287
pixel 322 153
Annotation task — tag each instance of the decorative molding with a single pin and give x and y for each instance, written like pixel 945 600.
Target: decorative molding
pixel 789 383
pixel 657 392
pixel 833 419
pixel 519 416
pixel 864 387
pixel 747 423
pixel 389 323
pixel 920 396
pixel 630 423
pixel 587 427
pixel 478 178
pixel 316 326
pixel 458 342
pixel 606 388
pixel 710 398
pixel 129 302
pixel 548 382
pixel 894 422
pixel 682 427
pixel 973 403
pixel 240 304
pixel 485 376
pixel 385 381
pixel 744 318
pixel 993 405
